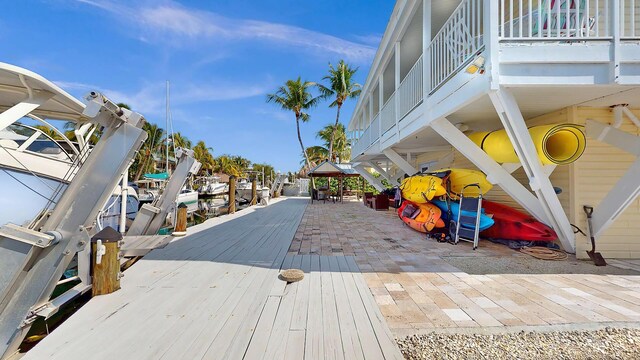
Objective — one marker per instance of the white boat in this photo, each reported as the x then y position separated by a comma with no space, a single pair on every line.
243,191
150,189
110,215
211,186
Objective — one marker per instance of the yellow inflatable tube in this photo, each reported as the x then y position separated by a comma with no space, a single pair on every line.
559,144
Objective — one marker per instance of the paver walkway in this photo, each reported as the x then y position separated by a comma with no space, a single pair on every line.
419,286
215,294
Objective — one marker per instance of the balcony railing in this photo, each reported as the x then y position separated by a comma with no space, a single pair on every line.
629,19
410,90
456,42
388,114
554,19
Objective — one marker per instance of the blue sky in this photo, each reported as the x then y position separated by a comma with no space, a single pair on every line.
220,56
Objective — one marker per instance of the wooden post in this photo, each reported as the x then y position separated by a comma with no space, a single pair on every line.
232,194
340,184
254,194
181,221
105,261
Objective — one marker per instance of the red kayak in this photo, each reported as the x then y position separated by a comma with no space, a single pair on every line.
511,224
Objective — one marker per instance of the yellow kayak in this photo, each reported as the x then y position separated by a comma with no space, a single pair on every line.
460,178
422,188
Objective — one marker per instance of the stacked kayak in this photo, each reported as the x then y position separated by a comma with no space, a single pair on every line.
459,178
421,217
485,221
511,224
422,188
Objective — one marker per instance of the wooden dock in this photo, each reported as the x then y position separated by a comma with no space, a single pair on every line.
216,294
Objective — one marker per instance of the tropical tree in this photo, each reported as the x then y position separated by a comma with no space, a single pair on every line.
341,87
241,163
316,154
48,131
202,153
226,165
341,146
265,169
181,141
149,147
295,96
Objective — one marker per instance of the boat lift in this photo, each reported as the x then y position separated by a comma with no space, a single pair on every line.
33,258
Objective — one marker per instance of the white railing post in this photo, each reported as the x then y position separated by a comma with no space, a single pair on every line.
491,17
426,40
616,26
397,86
380,103
372,118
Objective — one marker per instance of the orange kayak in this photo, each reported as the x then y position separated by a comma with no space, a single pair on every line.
421,217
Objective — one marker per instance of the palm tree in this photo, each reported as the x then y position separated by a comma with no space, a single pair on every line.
226,165
295,96
340,142
151,145
48,131
202,153
342,87
181,141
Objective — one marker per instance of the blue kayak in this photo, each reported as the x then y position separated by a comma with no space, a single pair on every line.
485,221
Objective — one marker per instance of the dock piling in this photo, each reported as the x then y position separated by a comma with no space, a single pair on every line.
181,221
232,194
105,261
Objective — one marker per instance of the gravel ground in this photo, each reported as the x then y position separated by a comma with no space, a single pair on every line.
530,265
608,343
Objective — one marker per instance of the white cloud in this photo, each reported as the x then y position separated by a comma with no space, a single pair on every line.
171,21
150,99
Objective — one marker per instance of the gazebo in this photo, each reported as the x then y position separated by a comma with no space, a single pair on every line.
330,169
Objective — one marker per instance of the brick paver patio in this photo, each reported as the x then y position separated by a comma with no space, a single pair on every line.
418,288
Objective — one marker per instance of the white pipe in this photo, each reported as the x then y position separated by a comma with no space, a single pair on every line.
124,192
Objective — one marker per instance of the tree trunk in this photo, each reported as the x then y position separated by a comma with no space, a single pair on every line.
143,166
304,151
333,133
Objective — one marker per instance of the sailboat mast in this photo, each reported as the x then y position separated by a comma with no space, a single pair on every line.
167,129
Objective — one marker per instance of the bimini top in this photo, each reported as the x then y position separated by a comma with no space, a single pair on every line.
21,85
330,169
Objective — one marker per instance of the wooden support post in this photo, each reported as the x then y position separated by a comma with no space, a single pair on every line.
232,194
180,228
254,192
340,185
105,261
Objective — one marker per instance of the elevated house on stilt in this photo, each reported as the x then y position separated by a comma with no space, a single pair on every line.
448,69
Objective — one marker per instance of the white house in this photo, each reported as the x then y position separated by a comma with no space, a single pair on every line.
448,68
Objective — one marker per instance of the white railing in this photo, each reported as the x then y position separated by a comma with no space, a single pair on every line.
388,114
375,129
547,19
459,39
410,90
363,143
630,19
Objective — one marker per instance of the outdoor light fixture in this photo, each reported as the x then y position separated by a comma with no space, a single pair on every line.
477,64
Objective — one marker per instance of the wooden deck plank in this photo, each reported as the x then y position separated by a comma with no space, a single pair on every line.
260,339
348,332
295,345
301,304
314,343
366,333
279,336
383,334
333,347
